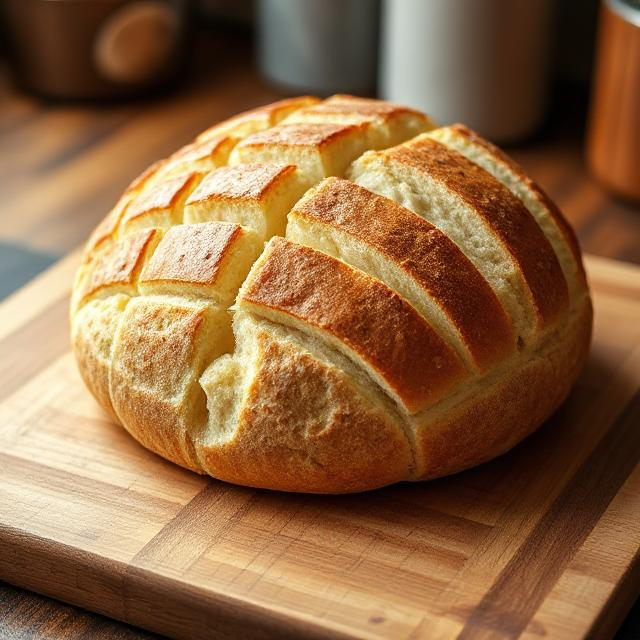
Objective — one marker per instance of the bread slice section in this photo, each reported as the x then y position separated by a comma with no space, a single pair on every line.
255,195
248,122
541,207
208,260
356,314
413,258
160,350
200,156
160,204
386,124
489,224
488,419
318,150
287,413
117,268
93,329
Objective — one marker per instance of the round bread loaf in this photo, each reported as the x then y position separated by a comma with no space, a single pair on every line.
331,296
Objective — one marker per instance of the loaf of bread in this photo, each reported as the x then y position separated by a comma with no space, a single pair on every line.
331,296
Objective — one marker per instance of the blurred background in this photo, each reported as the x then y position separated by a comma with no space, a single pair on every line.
93,91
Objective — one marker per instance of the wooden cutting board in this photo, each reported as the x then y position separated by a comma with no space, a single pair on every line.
541,542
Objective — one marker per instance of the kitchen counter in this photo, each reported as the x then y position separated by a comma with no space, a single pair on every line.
63,166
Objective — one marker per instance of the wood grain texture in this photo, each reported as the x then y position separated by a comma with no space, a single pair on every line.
27,616
90,517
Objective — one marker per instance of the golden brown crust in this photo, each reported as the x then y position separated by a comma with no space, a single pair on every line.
538,193
336,383
357,110
160,350
203,156
251,181
92,331
317,149
191,254
507,217
382,124
254,120
119,266
208,260
163,196
254,195
425,254
304,426
500,415
201,150
373,323
299,135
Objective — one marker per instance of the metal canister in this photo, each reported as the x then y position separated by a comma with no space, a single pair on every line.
319,46
613,140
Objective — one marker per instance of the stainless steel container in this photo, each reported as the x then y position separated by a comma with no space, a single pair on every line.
320,46
481,62
94,48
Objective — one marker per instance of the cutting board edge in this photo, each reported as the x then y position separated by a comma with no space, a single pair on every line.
95,571
619,603
131,585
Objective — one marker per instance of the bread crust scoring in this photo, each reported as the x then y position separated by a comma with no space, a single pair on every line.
374,342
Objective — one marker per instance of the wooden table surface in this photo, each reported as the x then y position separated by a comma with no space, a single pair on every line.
62,166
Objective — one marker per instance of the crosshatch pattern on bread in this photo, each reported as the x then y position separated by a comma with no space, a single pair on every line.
331,296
